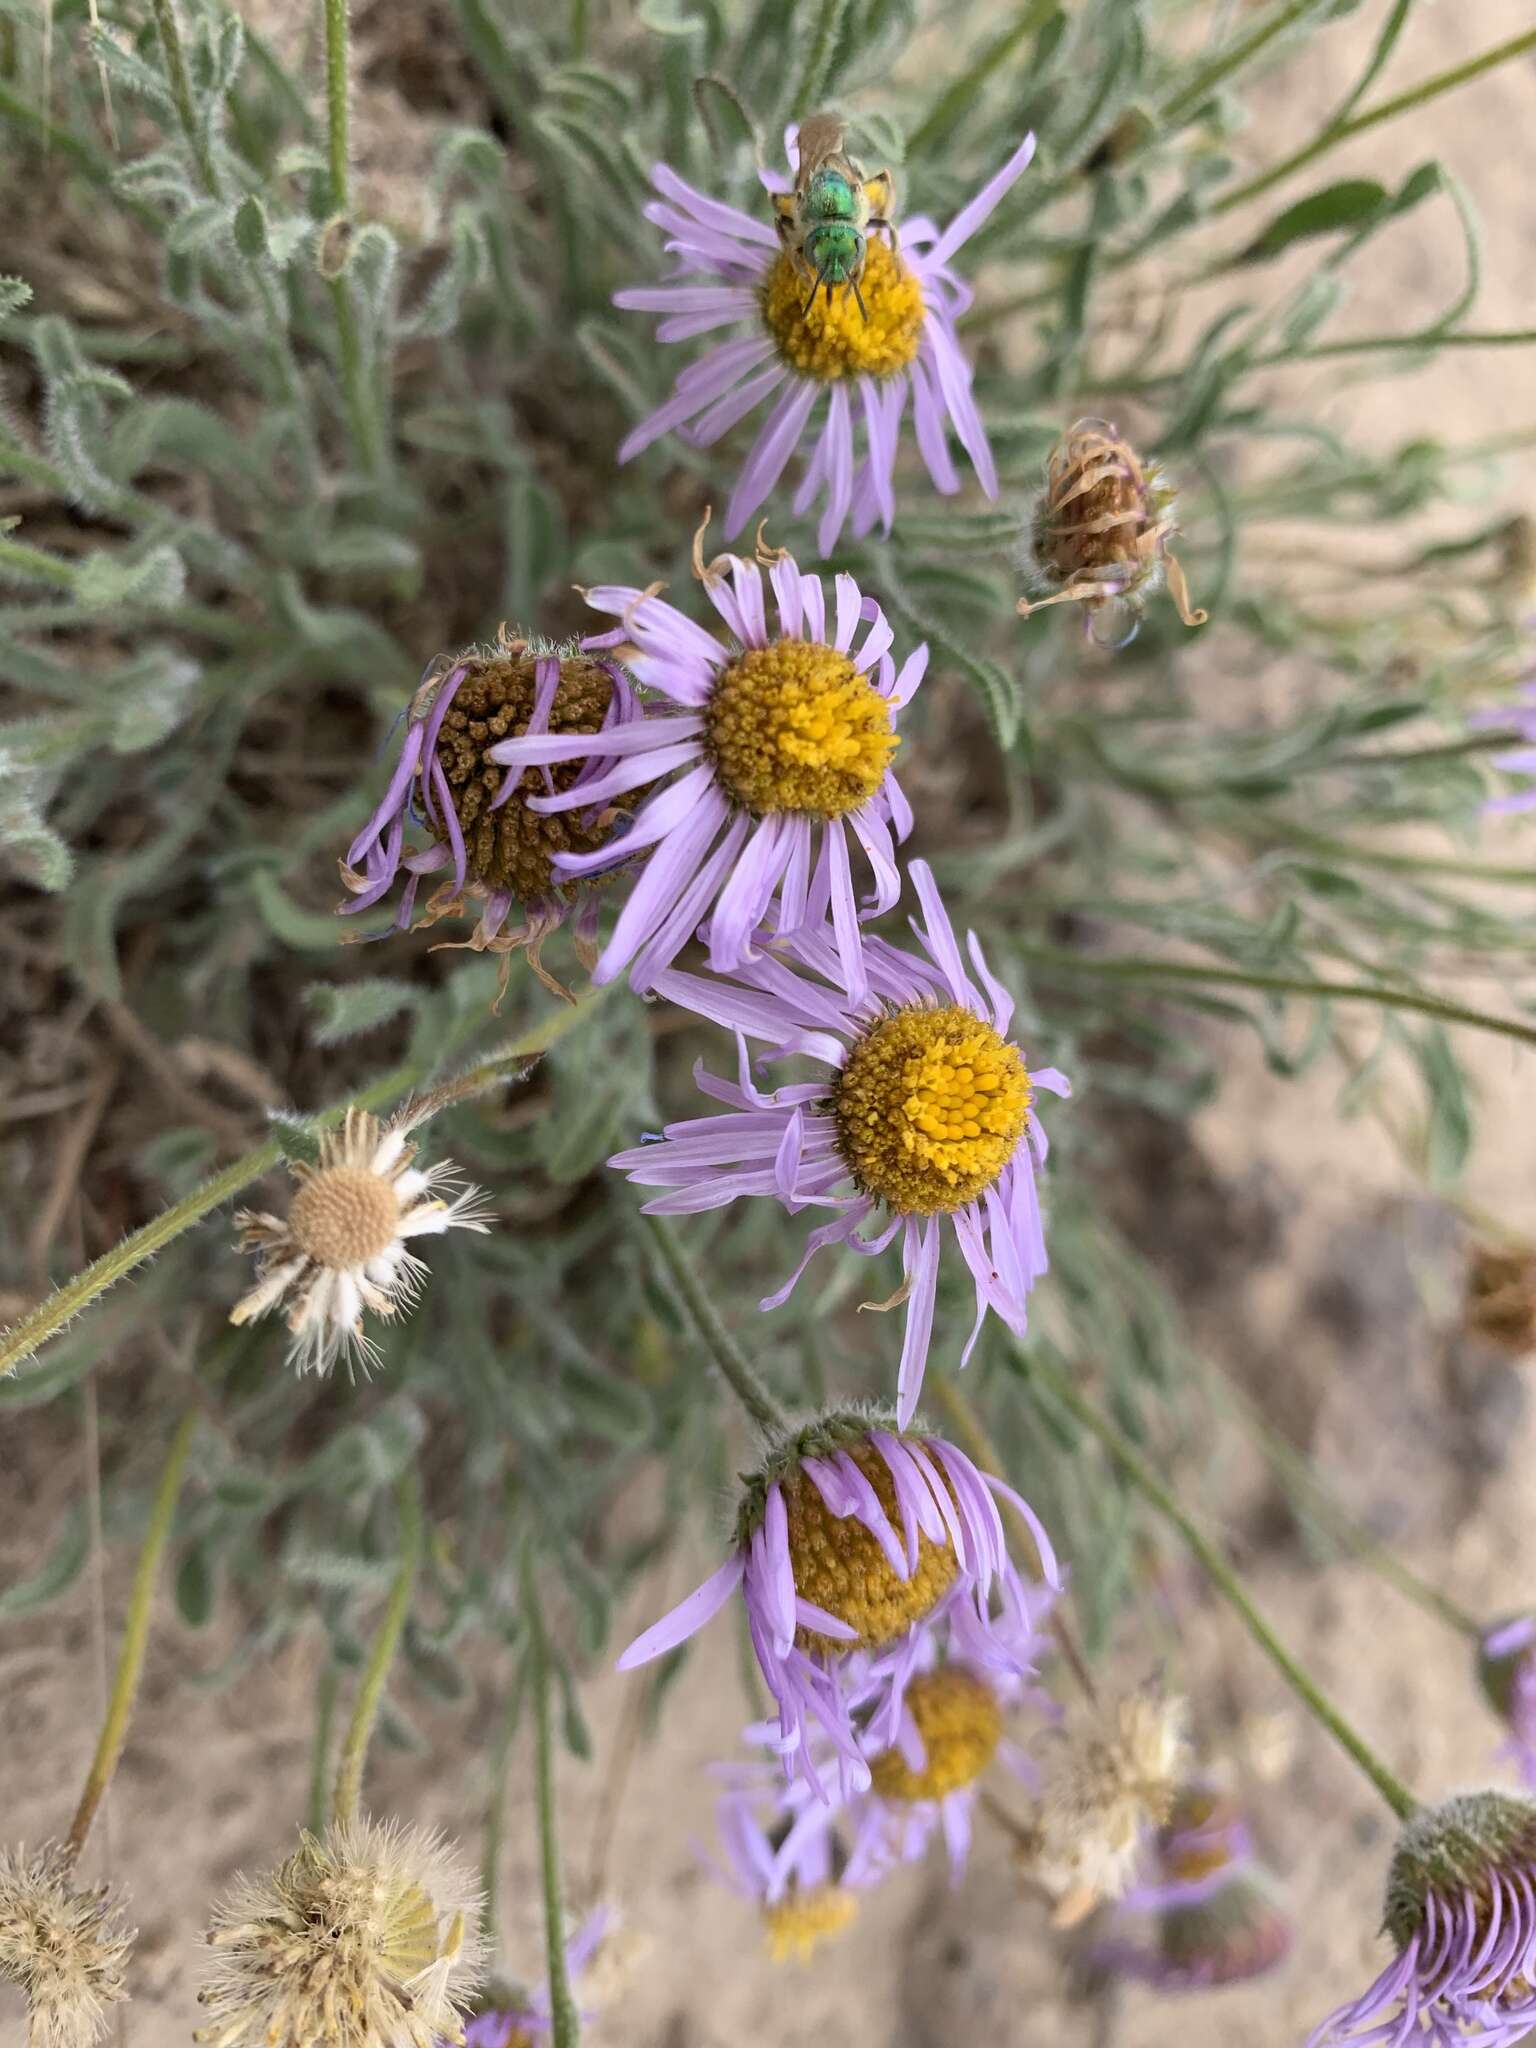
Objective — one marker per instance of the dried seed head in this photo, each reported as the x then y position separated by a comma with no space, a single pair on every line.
1501,1296
1105,1784
65,1947
365,1938
1100,532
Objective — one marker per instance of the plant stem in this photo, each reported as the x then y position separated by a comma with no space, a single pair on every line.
1205,82
18,1343
566,2026
1230,1586
36,566
958,100
320,1773
181,92
130,1658
336,107
354,1751
1341,131
1278,984
735,1367
972,1432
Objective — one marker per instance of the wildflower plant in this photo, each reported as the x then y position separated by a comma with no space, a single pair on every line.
308,383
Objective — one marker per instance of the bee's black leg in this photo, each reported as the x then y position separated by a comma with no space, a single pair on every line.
853,286
820,280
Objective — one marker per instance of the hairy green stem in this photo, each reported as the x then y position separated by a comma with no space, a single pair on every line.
1279,984
320,1768
130,1658
181,92
1230,1586
735,1367
1357,124
370,1693
336,102
565,2024
50,1316
37,566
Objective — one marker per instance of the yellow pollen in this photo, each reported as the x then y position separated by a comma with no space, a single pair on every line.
802,1919
960,1721
344,1216
930,1108
796,727
839,1566
834,339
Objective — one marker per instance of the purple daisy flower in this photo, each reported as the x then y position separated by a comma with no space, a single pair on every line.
479,821
849,1535
927,1118
1520,715
782,1851
521,2019
1506,1659
1461,1912
732,269
781,745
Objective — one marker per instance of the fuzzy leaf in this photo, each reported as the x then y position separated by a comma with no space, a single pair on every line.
57,1573
348,1009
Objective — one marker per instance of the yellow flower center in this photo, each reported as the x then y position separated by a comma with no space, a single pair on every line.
960,1721
802,1919
930,1107
796,727
343,1216
840,1566
833,339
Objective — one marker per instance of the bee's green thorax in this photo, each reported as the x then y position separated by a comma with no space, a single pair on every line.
830,197
835,252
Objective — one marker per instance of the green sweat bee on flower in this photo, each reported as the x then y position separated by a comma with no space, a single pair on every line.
825,223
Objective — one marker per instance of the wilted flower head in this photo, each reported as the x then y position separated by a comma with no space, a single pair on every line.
849,1534
1461,1913
1207,1913
1107,1782
367,1937
1501,1296
1100,532
1506,1667
519,2018
732,270
771,763
500,849
926,1125
63,1945
787,1857
343,1246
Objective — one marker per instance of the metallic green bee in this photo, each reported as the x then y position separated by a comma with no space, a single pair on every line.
835,206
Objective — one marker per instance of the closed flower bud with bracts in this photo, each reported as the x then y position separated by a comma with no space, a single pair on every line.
1107,1782
64,1946
1099,535
344,1244
366,1937
849,1535
1501,1297
481,826
1461,1914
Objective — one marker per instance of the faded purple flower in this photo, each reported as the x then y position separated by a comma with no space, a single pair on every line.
1520,716
1507,1669
849,1535
924,1126
521,2019
781,747
731,270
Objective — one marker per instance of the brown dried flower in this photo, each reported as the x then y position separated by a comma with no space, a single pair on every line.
1501,1296
367,1937
1100,534
64,1946
1105,1785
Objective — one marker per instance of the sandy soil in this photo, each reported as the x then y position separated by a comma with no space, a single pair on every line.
1332,1296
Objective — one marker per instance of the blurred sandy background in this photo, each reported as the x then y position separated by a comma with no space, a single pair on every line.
1309,1263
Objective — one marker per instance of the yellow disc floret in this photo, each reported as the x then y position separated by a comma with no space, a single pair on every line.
796,727
802,1919
343,1216
839,1565
960,1721
930,1107
833,338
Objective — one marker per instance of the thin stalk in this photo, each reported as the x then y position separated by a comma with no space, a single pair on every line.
958,100
130,1658
496,1816
181,92
22,1339
320,1768
370,1694
565,2024
1205,82
1230,1586
1279,984
37,566
735,1367
974,1438
1285,834
337,112
354,369
1357,124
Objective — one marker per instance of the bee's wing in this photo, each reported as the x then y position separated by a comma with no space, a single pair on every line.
880,191
821,137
